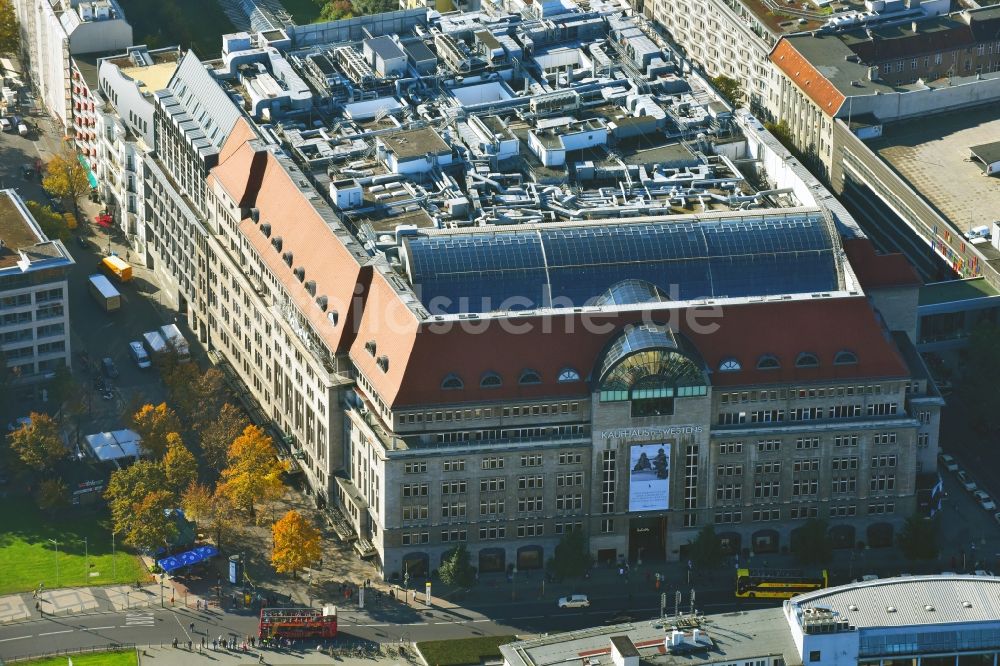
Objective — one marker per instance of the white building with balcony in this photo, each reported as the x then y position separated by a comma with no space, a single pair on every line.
125,129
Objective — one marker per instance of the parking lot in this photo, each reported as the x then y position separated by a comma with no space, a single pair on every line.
94,332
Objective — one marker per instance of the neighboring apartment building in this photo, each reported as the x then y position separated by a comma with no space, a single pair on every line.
868,78
191,119
34,299
54,33
923,621
126,130
735,37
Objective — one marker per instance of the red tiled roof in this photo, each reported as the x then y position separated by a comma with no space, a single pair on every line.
879,270
816,86
256,178
420,356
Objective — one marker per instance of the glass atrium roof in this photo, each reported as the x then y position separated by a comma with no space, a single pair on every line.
485,271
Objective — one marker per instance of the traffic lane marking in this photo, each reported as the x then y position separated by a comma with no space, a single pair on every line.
99,628
15,638
53,633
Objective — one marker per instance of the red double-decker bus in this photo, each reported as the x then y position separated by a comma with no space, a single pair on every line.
298,622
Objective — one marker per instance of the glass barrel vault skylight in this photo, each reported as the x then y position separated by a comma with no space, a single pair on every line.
569,266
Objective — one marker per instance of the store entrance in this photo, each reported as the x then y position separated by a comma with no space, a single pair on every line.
647,539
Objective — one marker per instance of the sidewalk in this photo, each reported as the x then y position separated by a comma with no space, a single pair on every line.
181,656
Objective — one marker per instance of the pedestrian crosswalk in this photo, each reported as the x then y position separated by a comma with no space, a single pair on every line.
139,620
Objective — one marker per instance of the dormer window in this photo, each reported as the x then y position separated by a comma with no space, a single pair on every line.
768,362
529,377
276,242
383,363
299,272
568,375
321,301
332,317
807,360
287,258
845,357
452,382
265,229
730,365
370,347
490,380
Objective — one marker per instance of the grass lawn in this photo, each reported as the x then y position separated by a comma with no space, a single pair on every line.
303,11
195,24
463,651
127,658
27,558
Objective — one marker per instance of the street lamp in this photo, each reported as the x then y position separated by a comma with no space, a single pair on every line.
53,541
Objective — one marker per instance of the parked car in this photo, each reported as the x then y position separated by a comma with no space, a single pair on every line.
110,371
966,481
574,601
139,354
982,572
948,462
985,500
5,125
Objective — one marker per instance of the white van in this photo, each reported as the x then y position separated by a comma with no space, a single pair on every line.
139,355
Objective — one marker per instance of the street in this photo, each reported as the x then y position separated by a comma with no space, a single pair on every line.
93,331
160,626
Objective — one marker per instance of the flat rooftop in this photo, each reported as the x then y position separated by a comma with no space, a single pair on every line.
15,232
409,144
733,636
154,77
932,155
956,290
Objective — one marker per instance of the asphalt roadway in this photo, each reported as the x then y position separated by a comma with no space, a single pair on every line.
160,626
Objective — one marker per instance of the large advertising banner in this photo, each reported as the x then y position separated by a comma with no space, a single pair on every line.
649,477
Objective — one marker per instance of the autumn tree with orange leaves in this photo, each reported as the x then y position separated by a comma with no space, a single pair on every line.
296,543
153,425
254,471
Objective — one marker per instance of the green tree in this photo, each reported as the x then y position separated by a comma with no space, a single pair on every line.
218,433
154,526
919,538
368,7
52,495
66,178
706,549
729,88
456,569
10,33
129,487
811,543
179,465
38,443
52,223
336,10
979,375
572,555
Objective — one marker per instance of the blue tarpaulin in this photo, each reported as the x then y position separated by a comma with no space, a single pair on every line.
187,559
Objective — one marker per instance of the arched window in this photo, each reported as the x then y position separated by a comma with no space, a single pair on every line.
730,365
807,360
490,380
568,375
768,362
529,376
452,381
845,357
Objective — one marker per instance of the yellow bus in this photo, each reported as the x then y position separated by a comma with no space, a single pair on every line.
776,584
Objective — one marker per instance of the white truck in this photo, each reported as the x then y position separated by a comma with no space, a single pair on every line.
155,343
176,340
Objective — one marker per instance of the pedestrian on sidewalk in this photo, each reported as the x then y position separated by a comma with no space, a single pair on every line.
215,645
192,627
189,645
